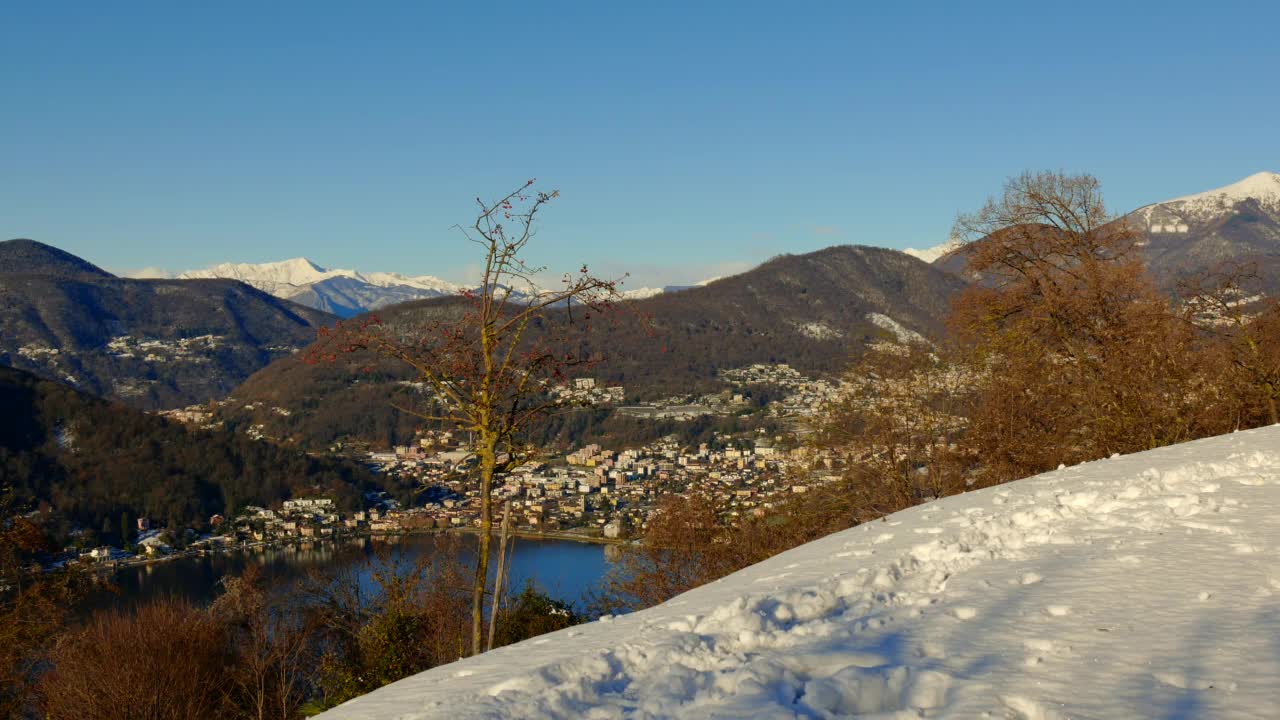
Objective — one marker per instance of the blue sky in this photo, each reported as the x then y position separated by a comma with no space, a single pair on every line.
688,139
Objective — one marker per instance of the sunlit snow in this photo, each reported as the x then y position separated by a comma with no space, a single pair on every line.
1141,586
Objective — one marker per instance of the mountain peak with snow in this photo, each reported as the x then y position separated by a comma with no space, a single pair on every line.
1261,187
295,271
343,292
929,255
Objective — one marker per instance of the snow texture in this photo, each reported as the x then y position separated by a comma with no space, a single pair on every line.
932,254
903,333
1140,586
821,331
299,278
641,293
1263,187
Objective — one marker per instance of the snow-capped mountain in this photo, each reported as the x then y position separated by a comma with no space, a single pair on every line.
641,293
1195,234
341,292
1172,216
1192,235
931,254
349,292
1140,586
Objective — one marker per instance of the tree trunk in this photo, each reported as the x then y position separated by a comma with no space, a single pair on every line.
502,568
488,461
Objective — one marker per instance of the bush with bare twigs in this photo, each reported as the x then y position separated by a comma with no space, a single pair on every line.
166,661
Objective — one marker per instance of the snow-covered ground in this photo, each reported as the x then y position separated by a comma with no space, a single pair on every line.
1141,586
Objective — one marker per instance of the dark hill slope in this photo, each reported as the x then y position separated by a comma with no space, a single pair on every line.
812,311
29,256
88,461
151,343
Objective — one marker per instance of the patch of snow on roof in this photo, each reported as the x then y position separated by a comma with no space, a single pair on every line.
1133,587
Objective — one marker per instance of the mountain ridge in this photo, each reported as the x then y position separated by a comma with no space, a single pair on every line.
347,293
152,343
1189,236
815,311
342,292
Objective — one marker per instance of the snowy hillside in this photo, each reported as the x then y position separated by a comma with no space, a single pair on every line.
1141,586
1263,187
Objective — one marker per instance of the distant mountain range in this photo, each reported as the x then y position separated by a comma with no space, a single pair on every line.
814,311
169,342
347,293
342,292
150,343
1191,235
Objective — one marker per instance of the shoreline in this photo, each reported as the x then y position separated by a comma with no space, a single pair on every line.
522,534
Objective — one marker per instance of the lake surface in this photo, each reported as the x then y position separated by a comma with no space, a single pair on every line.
565,569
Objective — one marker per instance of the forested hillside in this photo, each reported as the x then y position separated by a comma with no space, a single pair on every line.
91,462
149,343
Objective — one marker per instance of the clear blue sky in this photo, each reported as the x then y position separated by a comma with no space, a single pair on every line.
687,138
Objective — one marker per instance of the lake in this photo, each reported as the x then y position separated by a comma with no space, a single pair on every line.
563,568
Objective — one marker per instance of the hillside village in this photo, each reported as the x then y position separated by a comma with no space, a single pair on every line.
590,493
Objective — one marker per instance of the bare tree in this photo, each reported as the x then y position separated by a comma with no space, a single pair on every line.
1228,306
164,661
896,426
1082,356
273,646
489,367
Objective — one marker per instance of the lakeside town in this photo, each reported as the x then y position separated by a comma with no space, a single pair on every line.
591,493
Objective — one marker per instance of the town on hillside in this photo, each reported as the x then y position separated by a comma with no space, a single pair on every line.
589,493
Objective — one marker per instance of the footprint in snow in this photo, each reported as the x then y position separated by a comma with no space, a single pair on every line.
1183,681
932,651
